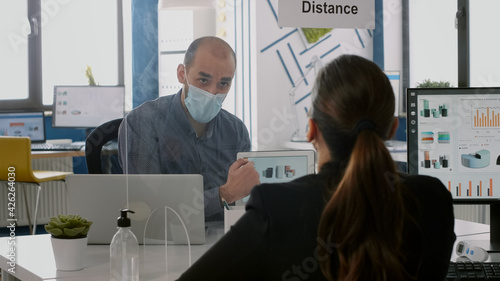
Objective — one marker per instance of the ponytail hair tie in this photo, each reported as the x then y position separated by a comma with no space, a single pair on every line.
364,124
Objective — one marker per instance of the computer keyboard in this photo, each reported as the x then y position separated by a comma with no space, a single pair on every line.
468,270
56,146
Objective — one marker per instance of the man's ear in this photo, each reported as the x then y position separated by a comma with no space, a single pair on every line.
312,132
181,73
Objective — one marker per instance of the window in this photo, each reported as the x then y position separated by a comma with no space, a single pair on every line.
484,54
74,34
14,50
432,48
432,42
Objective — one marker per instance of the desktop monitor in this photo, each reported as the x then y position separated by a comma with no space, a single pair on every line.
454,135
87,106
23,124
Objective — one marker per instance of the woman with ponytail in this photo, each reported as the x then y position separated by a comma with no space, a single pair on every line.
358,218
384,225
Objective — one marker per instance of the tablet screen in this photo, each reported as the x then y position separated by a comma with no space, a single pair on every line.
279,166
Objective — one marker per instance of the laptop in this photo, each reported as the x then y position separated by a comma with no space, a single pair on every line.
99,198
32,124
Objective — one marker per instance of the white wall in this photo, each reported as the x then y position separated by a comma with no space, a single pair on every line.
273,123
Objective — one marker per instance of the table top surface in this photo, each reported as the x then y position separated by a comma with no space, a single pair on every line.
56,153
35,260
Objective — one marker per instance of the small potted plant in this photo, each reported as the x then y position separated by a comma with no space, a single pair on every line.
69,240
428,83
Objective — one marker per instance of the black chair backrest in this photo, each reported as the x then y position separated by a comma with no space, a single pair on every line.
96,140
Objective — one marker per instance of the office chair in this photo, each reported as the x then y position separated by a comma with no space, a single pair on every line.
15,158
105,136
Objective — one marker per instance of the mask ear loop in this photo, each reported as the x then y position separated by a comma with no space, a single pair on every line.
187,82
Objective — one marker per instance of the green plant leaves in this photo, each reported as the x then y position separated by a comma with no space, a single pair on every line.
90,76
428,83
314,34
71,232
68,226
54,231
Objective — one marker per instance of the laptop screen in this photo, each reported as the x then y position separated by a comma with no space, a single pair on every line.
23,124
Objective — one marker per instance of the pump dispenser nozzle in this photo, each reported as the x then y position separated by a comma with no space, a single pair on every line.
123,220
124,251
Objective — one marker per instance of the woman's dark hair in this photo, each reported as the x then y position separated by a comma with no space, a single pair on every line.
353,107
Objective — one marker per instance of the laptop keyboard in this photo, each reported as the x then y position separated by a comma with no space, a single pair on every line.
469,270
56,146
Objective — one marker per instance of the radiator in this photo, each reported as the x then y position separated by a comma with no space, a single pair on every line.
474,213
52,196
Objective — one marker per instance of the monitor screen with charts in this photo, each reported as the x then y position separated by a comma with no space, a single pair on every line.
454,135
87,106
23,124
100,197
280,165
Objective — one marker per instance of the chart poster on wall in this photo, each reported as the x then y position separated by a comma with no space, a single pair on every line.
327,13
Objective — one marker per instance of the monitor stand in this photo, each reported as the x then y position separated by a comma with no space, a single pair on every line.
493,244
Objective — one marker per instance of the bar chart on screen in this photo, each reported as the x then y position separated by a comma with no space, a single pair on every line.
476,189
486,117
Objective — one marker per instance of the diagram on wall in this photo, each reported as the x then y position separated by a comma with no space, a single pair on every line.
296,55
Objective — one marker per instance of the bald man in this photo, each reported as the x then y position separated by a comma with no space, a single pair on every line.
189,133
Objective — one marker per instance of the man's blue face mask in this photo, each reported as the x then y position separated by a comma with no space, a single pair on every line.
202,105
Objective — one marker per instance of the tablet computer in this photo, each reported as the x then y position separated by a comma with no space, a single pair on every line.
280,165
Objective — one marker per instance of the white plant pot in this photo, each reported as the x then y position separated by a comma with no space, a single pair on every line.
69,253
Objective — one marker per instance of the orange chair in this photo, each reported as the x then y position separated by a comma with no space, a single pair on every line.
15,157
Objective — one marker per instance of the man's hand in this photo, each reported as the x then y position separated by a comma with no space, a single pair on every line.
240,180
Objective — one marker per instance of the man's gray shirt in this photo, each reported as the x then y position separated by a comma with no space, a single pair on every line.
157,138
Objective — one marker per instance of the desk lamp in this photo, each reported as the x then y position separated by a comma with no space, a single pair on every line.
315,64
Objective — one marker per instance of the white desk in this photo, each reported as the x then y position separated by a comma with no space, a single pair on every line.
474,233
35,260
56,154
396,148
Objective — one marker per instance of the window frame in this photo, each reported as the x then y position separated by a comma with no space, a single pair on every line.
463,50
35,79
34,100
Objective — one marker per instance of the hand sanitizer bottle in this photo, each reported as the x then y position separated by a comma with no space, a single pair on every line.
124,251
